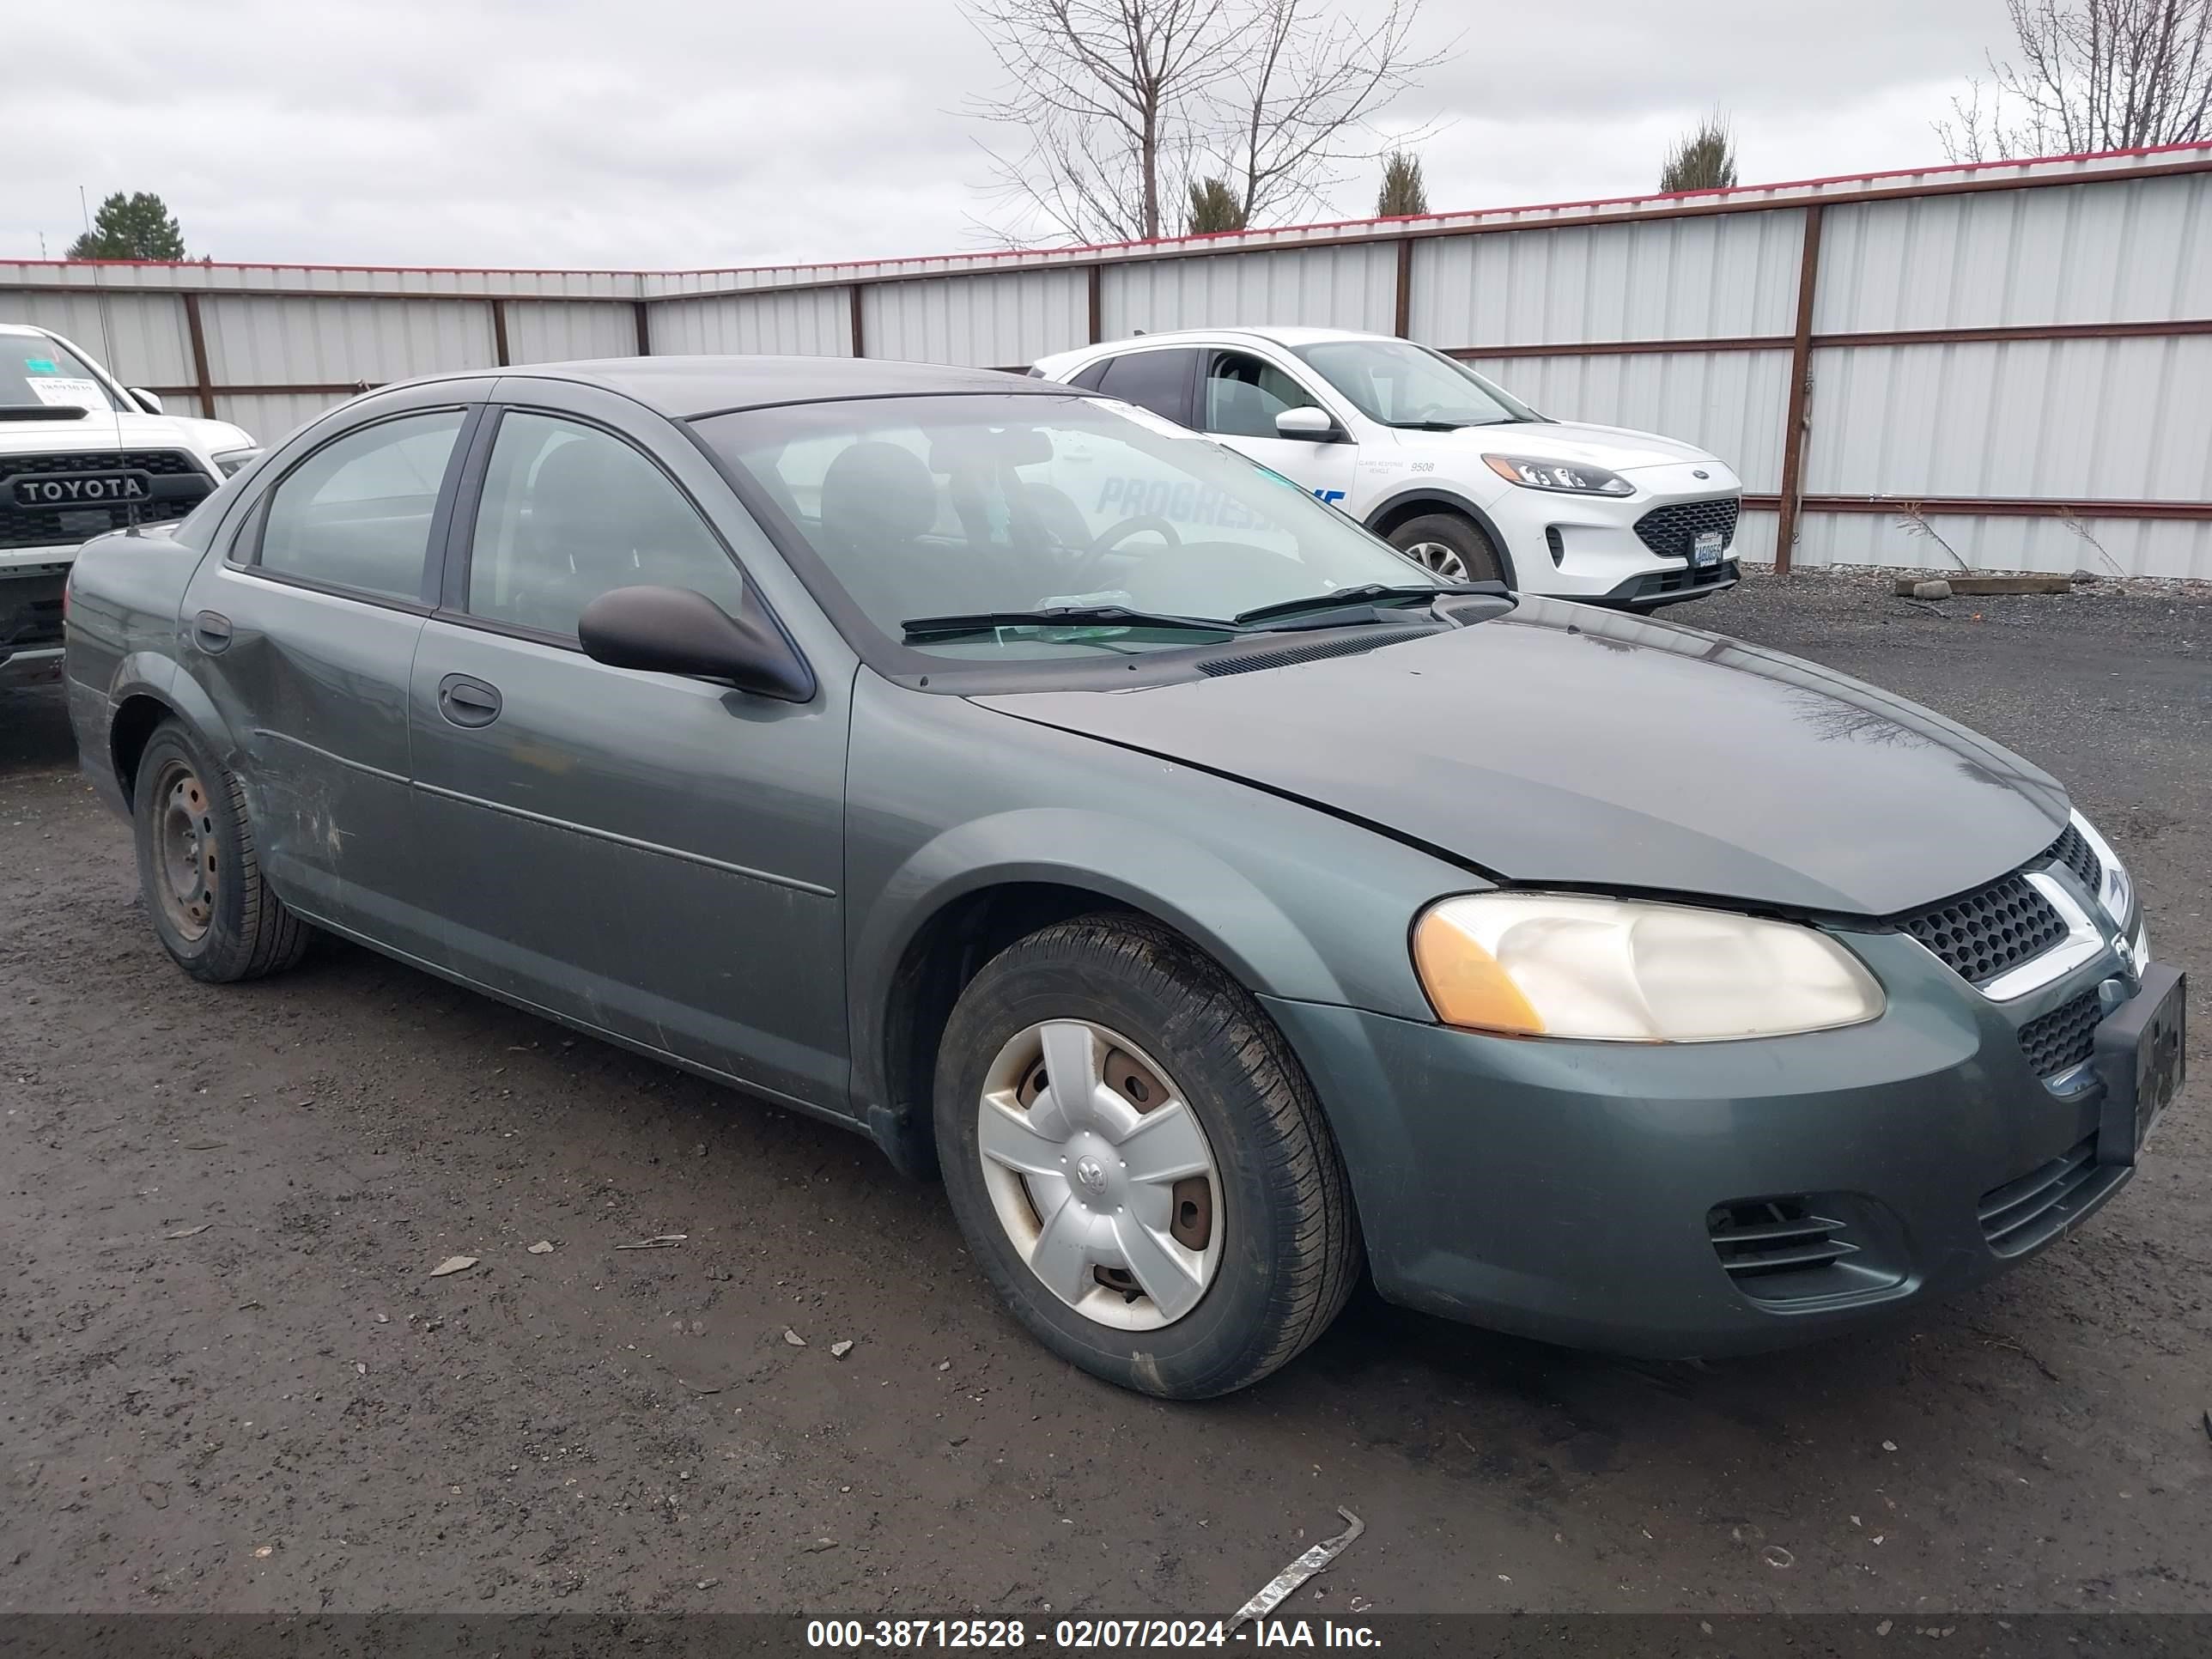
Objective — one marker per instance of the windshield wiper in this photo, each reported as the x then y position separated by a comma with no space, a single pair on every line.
42,412
1058,615
1365,595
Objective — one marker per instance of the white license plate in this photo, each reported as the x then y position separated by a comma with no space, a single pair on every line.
1705,551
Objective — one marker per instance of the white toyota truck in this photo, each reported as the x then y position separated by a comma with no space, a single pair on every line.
80,455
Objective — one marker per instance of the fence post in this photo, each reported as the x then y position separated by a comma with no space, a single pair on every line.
1800,375
860,340
205,382
1403,327
641,315
1094,300
499,332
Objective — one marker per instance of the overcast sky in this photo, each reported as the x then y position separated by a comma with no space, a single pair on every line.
689,133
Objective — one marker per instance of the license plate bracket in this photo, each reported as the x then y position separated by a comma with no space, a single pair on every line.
2138,1056
1705,550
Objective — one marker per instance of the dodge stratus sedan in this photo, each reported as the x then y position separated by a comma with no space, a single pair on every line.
1059,798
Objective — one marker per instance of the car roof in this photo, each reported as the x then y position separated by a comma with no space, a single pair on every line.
1281,334
686,387
25,328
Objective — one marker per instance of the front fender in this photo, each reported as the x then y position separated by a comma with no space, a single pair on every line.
1143,865
945,799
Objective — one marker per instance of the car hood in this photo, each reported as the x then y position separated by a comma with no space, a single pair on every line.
111,430
1567,745
1619,447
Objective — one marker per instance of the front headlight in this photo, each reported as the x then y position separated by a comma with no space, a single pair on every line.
230,460
2115,892
1621,970
1570,477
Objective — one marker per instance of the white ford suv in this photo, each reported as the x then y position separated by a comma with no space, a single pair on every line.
1447,466
80,455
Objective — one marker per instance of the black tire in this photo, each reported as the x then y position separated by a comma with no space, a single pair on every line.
1291,1253
190,814
1469,544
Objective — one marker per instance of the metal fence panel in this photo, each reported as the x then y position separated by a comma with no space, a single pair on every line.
140,338
287,342
990,321
2094,410
2132,251
1720,276
1951,541
1350,287
562,331
812,322
1728,402
271,417
2070,420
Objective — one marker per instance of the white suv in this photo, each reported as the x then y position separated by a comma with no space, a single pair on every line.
1447,466
80,455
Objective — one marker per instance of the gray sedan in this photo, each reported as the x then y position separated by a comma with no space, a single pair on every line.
1220,902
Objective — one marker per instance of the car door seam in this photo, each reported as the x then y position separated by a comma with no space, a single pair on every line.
324,754
768,876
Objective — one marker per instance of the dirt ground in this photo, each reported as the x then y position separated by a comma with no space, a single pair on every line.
227,1382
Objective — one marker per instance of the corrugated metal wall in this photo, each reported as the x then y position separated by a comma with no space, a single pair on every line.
2009,367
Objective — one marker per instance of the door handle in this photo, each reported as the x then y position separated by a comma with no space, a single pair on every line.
211,631
465,702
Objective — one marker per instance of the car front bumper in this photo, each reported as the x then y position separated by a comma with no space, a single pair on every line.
1581,1193
1593,548
30,620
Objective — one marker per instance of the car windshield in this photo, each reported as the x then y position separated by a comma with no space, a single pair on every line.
1401,384
987,509
43,374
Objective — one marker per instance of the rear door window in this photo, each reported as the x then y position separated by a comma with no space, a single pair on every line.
357,514
1158,380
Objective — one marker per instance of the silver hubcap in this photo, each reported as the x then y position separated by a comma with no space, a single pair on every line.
185,851
1100,1174
1440,559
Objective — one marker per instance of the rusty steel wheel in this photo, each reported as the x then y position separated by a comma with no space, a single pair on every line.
199,871
1101,1175
185,849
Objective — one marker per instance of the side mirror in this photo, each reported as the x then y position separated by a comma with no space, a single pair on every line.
1313,424
674,630
146,400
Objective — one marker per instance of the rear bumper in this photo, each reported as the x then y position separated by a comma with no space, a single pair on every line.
1572,1192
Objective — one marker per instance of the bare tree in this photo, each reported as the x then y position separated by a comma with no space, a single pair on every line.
2091,74
1124,107
1305,85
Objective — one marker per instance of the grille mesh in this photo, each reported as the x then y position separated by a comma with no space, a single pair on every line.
162,462
57,527
2063,1037
2073,850
1669,531
1980,934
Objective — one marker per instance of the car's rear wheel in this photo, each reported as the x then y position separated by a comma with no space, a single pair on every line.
1455,548
197,868
1138,1160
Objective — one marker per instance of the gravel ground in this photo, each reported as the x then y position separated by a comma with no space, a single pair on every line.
227,1382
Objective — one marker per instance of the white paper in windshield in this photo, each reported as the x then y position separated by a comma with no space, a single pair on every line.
63,393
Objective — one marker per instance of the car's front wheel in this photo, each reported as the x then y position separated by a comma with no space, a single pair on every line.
1138,1160
1455,548
197,869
